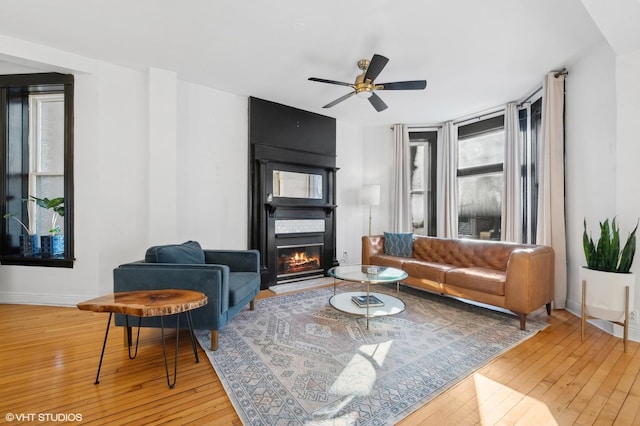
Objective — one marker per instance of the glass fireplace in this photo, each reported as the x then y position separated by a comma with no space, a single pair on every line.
298,261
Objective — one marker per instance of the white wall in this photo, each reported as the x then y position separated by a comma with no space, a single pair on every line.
603,108
213,161
628,157
349,218
110,179
378,150
590,156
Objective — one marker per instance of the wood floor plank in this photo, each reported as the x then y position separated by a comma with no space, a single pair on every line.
49,357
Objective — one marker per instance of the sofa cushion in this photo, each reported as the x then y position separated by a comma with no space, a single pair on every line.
464,253
429,270
386,260
189,252
483,280
242,285
398,244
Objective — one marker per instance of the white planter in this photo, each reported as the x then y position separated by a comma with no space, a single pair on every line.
605,293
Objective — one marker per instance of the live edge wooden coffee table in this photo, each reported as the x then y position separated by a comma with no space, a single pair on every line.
149,303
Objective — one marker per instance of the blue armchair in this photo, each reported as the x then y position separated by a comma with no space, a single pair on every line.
229,278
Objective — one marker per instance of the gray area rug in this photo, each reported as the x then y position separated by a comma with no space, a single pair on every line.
295,360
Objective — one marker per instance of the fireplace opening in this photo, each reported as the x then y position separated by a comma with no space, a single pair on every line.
299,261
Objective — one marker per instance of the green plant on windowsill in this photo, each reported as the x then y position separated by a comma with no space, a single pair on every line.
15,217
606,254
57,207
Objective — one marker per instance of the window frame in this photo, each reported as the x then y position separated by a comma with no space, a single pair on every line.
478,128
429,192
530,116
38,82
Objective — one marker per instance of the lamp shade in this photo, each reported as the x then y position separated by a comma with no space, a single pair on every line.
371,195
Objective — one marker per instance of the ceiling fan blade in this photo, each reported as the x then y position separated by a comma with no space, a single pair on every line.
376,65
322,80
340,99
404,85
377,102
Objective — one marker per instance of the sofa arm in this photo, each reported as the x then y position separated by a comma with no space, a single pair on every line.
371,244
237,260
530,279
212,280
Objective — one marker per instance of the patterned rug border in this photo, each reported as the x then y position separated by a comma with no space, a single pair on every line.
452,372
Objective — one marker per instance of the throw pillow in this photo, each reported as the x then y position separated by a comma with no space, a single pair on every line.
398,244
185,253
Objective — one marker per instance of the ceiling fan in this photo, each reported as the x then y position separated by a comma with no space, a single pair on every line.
364,85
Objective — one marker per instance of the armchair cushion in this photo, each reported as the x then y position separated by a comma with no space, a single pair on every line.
189,252
242,286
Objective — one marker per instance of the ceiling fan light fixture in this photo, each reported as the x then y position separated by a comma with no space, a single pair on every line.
364,94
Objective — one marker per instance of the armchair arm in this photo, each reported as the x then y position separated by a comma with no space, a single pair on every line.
212,280
236,260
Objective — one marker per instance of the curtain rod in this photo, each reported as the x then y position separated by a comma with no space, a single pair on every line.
556,74
563,71
531,95
477,117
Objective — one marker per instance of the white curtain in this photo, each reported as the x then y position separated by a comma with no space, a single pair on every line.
551,219
512,199
447,205
401,207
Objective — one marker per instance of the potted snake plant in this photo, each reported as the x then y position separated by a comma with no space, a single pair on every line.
607,274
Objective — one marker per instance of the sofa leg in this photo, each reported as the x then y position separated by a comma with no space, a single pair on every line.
523,320
549,308
214,340
252,305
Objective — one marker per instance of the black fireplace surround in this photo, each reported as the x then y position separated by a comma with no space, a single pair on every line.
286,139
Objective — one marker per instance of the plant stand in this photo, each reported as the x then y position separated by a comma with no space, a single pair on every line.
607,297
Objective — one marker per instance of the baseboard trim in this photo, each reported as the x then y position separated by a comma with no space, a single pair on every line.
42,299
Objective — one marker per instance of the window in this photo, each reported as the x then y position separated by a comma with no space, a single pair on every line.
530,127
480,178
422,154
36,141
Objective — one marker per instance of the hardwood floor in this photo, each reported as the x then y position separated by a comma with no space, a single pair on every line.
49,357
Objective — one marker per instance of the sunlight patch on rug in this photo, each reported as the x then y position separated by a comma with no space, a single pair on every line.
295,360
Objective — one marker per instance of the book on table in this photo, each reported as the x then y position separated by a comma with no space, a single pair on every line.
361,301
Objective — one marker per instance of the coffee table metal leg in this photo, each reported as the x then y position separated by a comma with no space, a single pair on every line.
193,340
135,354
164,351
104,344
368,300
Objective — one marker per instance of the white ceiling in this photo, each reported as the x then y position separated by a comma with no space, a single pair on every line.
475,55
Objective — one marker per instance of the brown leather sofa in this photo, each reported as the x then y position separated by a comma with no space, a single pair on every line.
512,276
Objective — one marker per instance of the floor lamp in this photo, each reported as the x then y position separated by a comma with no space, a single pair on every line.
371,196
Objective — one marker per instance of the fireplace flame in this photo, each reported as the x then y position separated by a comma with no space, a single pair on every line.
298,261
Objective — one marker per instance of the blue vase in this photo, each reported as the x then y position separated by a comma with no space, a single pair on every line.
29,245
51,245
